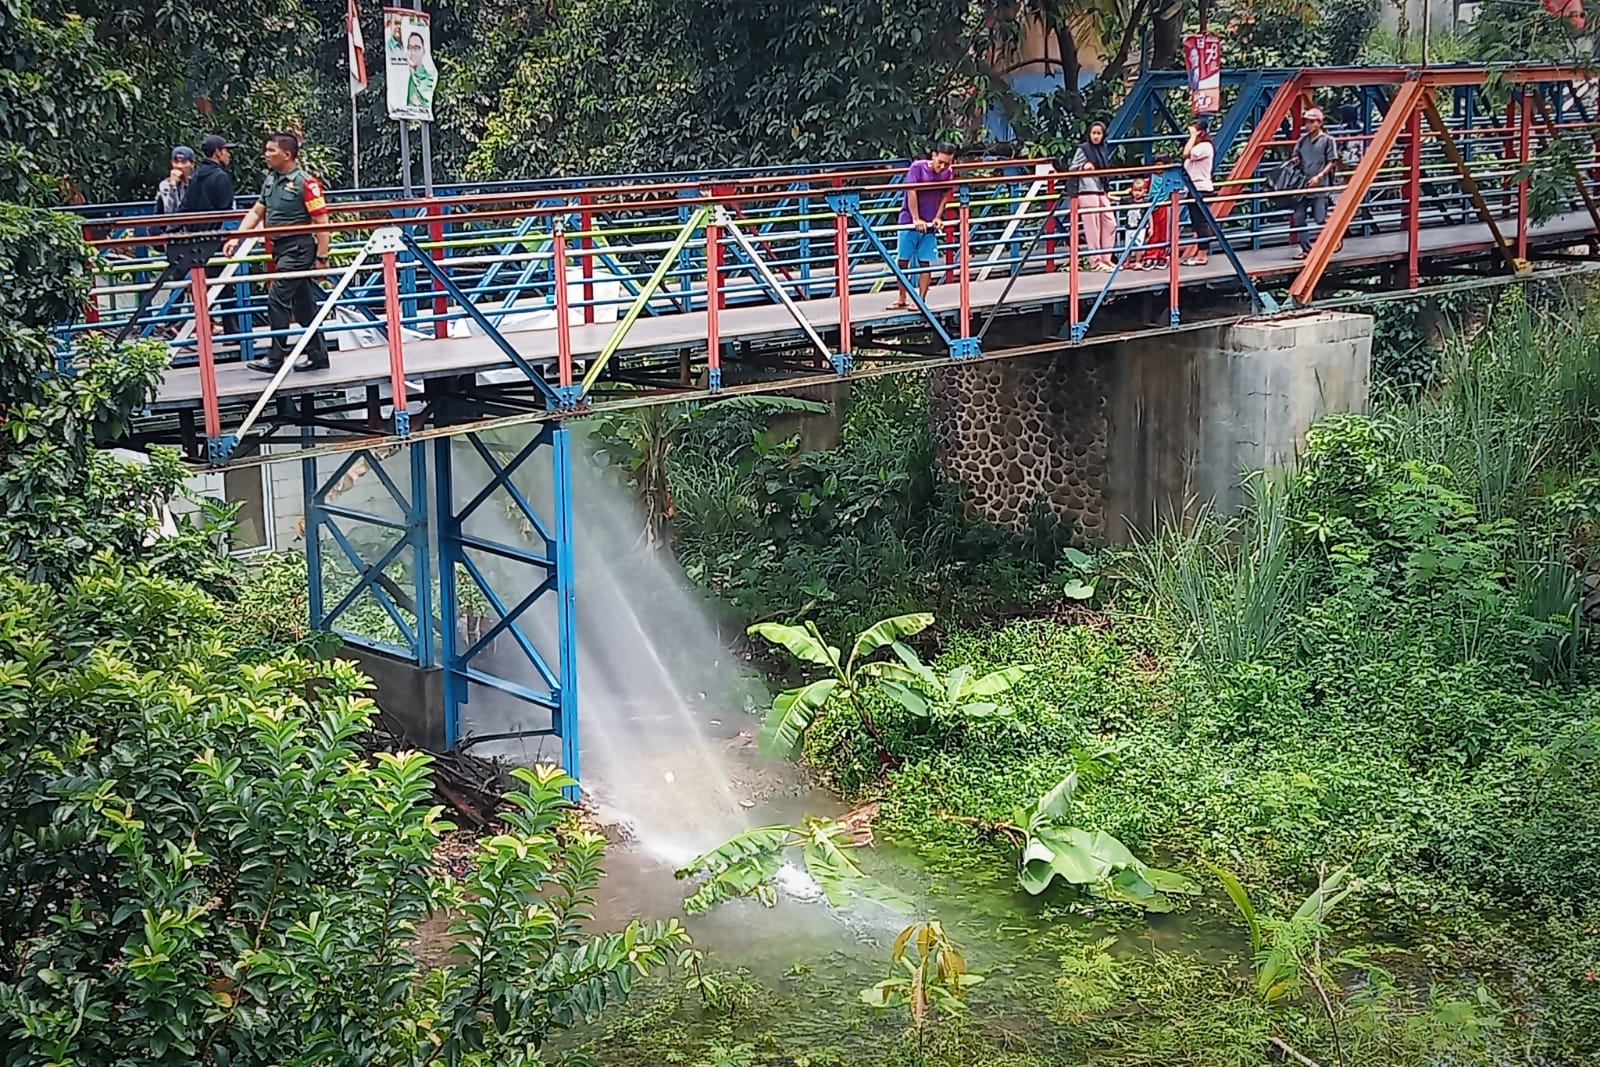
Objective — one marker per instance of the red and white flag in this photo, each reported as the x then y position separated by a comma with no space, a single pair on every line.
358,48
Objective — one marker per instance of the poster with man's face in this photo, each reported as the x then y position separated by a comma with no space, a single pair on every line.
411,77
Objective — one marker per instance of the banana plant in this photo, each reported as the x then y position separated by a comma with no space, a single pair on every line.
794,710
1278,947
918,688
926,693
1054,848
747,865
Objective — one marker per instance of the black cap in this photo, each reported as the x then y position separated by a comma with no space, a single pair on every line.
212,143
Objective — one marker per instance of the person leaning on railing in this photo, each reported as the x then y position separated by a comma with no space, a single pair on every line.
290,197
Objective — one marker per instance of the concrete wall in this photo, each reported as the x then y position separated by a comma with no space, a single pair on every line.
411,696
1118,437
1189,414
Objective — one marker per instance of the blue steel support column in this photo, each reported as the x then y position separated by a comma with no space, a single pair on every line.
412,533
549,690
444,509
308,487
566,599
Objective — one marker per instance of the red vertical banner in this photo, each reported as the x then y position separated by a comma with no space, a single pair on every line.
1202,59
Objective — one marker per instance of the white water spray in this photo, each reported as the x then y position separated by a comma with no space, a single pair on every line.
662,709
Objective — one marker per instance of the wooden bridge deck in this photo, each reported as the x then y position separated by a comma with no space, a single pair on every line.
431,358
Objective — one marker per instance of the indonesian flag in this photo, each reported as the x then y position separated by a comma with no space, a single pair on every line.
358,48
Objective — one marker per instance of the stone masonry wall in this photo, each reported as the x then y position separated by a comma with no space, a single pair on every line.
1118,438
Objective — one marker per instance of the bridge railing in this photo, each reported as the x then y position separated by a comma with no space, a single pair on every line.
583,266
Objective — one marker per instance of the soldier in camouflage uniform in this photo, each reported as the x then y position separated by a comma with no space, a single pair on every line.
290,197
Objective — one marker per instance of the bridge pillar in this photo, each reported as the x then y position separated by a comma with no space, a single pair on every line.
1116,437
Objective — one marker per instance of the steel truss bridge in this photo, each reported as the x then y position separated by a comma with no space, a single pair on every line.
482,307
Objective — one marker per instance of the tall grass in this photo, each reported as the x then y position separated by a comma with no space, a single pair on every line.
1514,405
1235,585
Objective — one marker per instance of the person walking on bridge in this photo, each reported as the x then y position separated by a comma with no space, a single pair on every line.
290,197
1092,190
1317,155
920,217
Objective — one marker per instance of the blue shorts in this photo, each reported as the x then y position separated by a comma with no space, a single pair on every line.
918,247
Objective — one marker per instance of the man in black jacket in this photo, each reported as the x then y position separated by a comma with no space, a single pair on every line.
210,186
209,190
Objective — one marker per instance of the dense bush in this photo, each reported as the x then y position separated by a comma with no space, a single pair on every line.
200,863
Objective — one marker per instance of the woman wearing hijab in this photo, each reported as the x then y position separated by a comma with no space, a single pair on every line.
1093,196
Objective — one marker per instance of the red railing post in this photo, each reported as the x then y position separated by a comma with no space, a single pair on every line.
841,267
441,328
1174,210
208,366
558,250
395,328
1524,152
586,253
1050,230
1413,200
964,256
713,305
1072,269
91,309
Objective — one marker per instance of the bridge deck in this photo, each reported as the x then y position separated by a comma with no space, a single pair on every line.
430,358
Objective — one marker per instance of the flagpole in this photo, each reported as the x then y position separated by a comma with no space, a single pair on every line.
356,53
355,145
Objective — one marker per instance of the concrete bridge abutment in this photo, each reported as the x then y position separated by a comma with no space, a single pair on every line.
1120,437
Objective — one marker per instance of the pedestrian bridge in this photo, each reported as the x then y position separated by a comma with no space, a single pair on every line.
528,302
679,284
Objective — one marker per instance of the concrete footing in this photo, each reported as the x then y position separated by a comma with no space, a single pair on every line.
412,697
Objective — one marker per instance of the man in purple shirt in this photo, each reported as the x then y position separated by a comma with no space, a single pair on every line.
919,217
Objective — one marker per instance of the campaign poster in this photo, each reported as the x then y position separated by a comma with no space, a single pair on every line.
1202,58
411,77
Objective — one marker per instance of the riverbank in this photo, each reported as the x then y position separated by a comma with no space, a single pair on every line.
1381,669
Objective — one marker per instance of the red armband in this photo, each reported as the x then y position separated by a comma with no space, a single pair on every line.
311,190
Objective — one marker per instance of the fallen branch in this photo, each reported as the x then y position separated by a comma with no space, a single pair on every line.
1283,1046
1016,834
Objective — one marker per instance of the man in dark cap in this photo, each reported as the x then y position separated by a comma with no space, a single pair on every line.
210,193
174,188
210,186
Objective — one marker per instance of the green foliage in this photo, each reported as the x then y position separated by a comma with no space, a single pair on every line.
775,83
1293,33
794,710
206,866
747,864
1505,31
932,978
1409,338
1282,966
212,870
61,92
923,692
1237,585
1055,848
